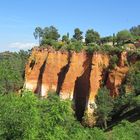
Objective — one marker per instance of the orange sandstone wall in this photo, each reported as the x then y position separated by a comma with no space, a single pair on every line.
50,75
117,75
32,70
76,76
100,62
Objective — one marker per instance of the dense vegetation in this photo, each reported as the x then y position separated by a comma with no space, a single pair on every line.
24,116
92,41
12,66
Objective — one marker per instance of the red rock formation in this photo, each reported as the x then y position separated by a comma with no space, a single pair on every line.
43,77
115,79
33,67
117,75
99,63
76,76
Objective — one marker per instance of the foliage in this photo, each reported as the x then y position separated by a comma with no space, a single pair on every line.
92,36
27,117
50,33
55,120
133,77
78,34
65,38
106,39
19,119
106,48
122,104
104,106
92,48
128,102
126,131
75,46
96,134
123,37
12,67
113,61
135,31
50,42
38,33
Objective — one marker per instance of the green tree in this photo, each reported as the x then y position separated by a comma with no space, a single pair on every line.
26,117
104,106
113,61
114,39
19,117
38,34
12,67
135,31
50,33
55,114
58,122
92,37
65,38
106,39
133,78
123,36
78,34
126,131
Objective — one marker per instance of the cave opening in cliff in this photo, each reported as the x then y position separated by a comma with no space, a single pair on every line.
82,88
62,73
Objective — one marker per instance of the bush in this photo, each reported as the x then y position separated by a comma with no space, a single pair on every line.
113,61
19,117
133,77
76,46
123,37
26,117
12,67
104,106
125,131
106,48
96,134
56,118
92,48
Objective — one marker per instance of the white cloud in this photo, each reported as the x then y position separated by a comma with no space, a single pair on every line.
20,45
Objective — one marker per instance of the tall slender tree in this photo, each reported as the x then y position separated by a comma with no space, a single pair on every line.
38,34
78,34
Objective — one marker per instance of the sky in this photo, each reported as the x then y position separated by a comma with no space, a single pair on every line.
18,18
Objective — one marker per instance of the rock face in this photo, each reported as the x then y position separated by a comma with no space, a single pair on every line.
76,76
117,75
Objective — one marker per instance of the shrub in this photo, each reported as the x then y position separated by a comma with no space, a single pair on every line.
124,131
104,106
106,48
75,46
113,61
92,48
19,118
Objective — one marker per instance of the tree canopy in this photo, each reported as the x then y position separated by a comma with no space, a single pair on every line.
92,36
78,34
123,37
104,106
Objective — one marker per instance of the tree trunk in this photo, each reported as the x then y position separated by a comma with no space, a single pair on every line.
39,41
105,124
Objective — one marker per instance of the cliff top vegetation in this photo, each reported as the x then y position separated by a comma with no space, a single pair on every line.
128,40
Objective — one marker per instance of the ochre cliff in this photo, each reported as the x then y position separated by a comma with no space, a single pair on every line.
117,75
75,76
